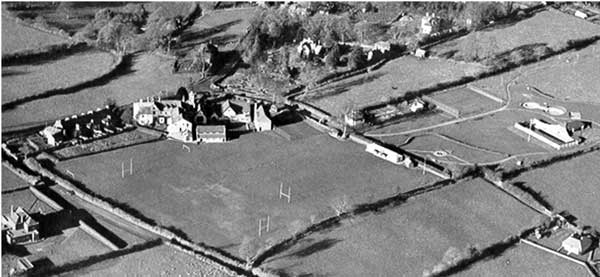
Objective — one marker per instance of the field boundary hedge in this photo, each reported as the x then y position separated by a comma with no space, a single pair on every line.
44,52
210,255
70,89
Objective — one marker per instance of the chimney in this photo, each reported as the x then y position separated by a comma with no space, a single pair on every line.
12,209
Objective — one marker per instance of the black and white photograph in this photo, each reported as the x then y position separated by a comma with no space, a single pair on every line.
300,138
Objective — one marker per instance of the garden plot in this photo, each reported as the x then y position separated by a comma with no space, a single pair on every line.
218,192
412,237
394,79
19,81
17,37
144,75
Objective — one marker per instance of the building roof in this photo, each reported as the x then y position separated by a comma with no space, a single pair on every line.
261,115
211,131
555,130
238,107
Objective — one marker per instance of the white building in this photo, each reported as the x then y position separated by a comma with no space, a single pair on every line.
261,121
429,24
577,244
384,153
181,129
211,133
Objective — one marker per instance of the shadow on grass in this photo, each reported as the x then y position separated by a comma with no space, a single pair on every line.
123,69
491,252
89,261
537,195
341,88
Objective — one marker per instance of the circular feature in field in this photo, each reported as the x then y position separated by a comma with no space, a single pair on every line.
440,153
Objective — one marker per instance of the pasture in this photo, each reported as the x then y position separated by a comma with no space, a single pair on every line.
142,76
161,260
394,79
409,238
218,192
19,81
550,28
218,27
570,185
16,37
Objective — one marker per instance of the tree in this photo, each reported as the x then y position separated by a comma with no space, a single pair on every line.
340,204
333,56
116,35
357,58
247,248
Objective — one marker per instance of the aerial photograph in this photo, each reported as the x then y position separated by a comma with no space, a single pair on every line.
304,138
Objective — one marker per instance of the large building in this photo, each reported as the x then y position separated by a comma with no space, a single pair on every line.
19,227
554,135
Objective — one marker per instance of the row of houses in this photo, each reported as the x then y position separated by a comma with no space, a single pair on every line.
83,127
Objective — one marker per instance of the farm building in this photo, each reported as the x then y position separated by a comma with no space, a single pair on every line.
554,135
211,133
20,227
148,112
429,24
53,135
180,129
236,111
420,53
577,244
261,121
417,105
354,118
385,153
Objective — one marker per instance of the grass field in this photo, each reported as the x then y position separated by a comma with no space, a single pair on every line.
412,237
551,28
25,199
217,193
394,79
570,185
147,75
524,260
11,181
217,26
467,101
20,81
426,144
17,37
161,260
572,76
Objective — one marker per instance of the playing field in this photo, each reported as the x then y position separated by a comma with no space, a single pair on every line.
218,192
412,237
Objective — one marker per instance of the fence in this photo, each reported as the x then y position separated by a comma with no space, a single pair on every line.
484,93
92,232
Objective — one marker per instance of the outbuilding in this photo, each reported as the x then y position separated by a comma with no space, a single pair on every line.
577,244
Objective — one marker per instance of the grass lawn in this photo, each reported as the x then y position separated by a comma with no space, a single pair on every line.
16,37
412,237
217,193
551,28
161,260
394,79
20,81
571,185
25,199
147,75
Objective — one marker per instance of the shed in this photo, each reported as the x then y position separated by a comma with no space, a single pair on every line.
420,53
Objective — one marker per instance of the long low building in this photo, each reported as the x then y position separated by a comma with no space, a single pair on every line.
554,135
